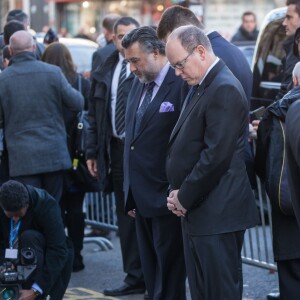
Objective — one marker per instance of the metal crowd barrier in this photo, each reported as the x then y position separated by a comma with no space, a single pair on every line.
257,249
100,214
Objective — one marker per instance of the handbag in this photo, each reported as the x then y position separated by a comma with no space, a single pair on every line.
79,174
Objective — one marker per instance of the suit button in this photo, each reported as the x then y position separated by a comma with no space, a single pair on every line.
132,147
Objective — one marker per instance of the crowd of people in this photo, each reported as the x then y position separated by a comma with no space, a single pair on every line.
168,114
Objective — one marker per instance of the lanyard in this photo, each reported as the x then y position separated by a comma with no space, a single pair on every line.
13,232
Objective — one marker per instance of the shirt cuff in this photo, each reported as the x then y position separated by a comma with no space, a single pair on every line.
35,286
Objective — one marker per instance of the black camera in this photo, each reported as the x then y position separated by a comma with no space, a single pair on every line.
12,275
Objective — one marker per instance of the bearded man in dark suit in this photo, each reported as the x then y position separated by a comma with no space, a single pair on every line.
205,167
153,107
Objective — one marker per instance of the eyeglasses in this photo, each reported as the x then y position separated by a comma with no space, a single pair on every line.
180,65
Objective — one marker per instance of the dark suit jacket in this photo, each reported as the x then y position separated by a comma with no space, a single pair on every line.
100,56
145,154
100,131
293,155
205,158
234,59
44,216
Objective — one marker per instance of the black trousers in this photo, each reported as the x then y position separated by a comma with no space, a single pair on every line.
51,182
213,265
161,250
289,279
126,224
74,219
35,240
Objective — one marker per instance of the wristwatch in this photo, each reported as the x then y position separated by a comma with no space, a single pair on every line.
36,292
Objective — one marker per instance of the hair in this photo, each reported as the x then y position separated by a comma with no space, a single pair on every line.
125,21
248,13
296,3
295,46
13,196
50,37
17,14
174,17
6,53
190,37
296,71
59,55
146,37
10,28
109,22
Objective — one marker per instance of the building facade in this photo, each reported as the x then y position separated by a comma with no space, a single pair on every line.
86,16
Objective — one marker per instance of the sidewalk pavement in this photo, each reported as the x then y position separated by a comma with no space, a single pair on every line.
103,269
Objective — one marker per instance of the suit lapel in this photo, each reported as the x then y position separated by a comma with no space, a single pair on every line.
133,106
157,100
196,98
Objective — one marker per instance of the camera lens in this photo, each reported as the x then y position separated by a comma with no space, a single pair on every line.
27,256
8,293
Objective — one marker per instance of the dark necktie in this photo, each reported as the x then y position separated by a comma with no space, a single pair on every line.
141,110
120,104
15,242
191,94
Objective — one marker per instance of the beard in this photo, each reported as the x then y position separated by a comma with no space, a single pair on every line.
146,77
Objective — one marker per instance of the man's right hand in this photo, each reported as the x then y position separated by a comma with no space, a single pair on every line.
27,295
92,166
132,213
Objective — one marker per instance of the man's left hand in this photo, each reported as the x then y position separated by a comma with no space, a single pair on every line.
27,295
174,205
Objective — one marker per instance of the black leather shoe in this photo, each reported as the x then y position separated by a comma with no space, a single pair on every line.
125,289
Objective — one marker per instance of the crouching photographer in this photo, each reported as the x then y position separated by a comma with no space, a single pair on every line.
35,255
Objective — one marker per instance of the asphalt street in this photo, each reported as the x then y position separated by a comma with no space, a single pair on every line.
103,269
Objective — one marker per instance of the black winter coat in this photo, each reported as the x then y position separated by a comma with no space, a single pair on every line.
100,131
269,166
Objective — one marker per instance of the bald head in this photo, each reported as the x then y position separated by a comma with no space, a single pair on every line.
190,36
296,74
21,41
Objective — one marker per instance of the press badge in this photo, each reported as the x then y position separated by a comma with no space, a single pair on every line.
11,253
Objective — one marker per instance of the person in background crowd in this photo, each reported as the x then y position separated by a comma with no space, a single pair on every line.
290,23
209,186
34,132
82,34
50,37
63,32
105,147
247,31
73,196
292,147
103,53
35,219
6,56
20,15
271,166
10,28
153,107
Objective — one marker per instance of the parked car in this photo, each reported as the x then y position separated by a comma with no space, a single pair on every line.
247,48
267,63
81,50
